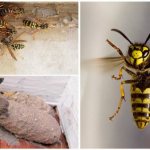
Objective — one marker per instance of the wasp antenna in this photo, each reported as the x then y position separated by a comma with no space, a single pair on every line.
147,39
116,30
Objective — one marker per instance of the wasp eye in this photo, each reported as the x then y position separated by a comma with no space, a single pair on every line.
130,51
145,53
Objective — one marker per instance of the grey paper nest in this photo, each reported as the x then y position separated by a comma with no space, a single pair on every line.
29,120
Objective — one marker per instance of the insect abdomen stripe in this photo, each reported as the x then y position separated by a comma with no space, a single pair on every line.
140,114
140,95
30,24
142,105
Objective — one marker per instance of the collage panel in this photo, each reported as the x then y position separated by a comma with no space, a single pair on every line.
39,112
39,38
115,75
39,75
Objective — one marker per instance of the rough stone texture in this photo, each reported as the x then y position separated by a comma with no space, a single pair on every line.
29,100
3,107
30,123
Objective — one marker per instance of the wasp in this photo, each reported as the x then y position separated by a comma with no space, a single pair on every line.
6,29
10,10
34,25
17,46
136,65
10,42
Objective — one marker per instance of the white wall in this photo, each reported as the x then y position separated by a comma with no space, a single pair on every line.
69,108
50,88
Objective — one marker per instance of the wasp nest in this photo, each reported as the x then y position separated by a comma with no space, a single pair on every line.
28,122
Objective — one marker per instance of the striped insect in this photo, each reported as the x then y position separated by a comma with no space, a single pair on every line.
34,25
6,10
10,42
17,46
6,29
136,64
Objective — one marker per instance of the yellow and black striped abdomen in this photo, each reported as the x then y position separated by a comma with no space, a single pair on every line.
17,46
140,101
30,24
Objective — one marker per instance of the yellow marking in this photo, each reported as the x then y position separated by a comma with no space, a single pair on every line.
136,54
142,122
142,119
141,125
146,110
147,91
121,90
131,60
137,100
145,48
139,109
146,101
136,90
139,61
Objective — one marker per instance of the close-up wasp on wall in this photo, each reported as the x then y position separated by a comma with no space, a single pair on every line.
136,64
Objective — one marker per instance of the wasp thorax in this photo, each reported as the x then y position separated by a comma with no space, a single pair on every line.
138,54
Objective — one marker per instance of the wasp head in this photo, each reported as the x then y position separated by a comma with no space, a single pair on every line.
138,54
18,10
7,40
11,30
44,26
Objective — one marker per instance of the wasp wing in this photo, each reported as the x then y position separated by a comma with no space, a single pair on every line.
11,53
19,41
105,64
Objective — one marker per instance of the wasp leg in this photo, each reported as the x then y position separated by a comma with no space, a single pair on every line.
122,96
29,32
19,35
120,73
116,48
33,33
1,50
